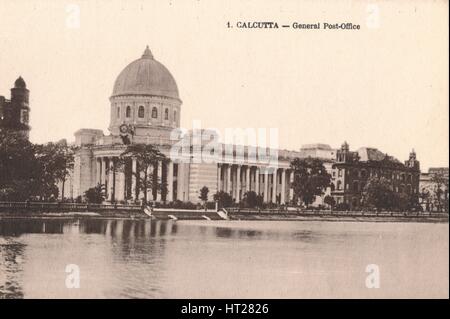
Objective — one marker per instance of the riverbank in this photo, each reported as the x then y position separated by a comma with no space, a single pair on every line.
120,211
340,218
212,215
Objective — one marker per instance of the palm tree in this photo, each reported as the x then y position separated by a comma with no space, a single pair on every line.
147,156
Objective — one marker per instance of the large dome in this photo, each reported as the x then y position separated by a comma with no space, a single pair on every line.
146,76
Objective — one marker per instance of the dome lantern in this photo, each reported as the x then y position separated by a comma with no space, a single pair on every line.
147,53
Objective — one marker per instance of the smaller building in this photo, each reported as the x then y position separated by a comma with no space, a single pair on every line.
14,113
352,170
318,150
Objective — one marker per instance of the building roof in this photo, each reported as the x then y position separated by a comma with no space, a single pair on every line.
316,146
373,154
146,76
20,83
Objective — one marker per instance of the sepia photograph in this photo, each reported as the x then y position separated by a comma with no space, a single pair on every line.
245,150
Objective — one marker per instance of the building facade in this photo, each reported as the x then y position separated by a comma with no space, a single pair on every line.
14,113
145,107
352,169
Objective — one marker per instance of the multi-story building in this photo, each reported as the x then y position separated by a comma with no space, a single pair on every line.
14,113
352,170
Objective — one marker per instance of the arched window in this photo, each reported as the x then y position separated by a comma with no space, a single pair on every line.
128,111
166,114
118,112
154,112
141,112
175,115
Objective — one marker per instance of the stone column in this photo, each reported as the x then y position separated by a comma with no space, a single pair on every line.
98,178
169,196
133,178
149,177
266,185
283,186
257,180
111,179
120,188
219,176
229,180
247,179
180,181
104,177
274,186
291,181
238,183
160,179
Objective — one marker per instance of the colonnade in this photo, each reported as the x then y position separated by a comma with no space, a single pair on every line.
121,181
274,184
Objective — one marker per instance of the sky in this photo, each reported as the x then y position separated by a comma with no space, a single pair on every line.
383,86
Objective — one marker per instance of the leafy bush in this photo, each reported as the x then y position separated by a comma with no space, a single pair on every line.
95,195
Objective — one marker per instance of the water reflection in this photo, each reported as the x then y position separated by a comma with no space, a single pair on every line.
11,258
124,258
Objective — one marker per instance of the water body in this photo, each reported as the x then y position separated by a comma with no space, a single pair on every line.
225,259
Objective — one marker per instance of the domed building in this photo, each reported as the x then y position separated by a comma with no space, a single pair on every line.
146,109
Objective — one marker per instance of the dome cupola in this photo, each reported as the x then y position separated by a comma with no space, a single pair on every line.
146,76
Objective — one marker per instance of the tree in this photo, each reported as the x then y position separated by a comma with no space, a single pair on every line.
329,200
441,191
425,198
378,193
147,157
310,179
95,195
19,169
204,195
224,199
252,200
56,161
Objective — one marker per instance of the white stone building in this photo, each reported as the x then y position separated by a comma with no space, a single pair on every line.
146,108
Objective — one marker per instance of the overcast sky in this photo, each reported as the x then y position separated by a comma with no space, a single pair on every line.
384,87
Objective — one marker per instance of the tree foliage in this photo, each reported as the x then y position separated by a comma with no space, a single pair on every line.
329,200
441,192
28,170
252,200
378,193
224,199
56,161
204,194
310,179
147,157
19,169
95,195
